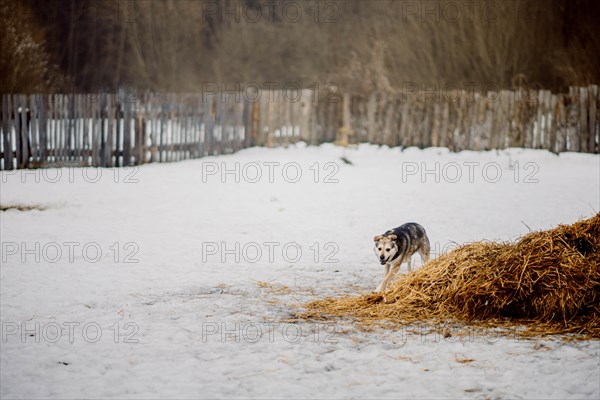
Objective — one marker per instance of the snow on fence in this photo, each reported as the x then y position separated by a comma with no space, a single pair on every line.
107,130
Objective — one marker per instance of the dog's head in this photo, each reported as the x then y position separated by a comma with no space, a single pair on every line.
385,248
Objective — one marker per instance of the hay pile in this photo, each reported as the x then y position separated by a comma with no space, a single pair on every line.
548,281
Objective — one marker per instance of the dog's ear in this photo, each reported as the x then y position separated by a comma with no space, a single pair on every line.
393,237
377,238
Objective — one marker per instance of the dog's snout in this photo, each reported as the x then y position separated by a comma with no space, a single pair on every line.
381,257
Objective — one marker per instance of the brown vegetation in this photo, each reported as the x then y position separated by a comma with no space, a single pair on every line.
359,45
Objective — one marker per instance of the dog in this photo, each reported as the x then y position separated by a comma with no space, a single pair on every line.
397,246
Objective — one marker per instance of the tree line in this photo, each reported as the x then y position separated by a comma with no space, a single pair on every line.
360,46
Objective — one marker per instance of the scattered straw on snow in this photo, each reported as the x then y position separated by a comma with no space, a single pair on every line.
548,281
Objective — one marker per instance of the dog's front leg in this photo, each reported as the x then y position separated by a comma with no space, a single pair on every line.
391,269
386,271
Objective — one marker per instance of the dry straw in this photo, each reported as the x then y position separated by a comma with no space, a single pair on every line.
548,282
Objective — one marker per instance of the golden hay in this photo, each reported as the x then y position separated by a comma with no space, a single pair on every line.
548,281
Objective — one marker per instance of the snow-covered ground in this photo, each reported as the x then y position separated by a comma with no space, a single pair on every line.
178,280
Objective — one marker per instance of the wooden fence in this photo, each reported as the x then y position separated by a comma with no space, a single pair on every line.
110,130
468,120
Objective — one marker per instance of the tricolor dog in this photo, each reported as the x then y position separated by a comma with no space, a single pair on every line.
397,246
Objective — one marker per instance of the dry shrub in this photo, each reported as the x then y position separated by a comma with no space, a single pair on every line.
548,281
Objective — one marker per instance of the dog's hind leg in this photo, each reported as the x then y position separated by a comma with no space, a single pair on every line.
408,263
424,250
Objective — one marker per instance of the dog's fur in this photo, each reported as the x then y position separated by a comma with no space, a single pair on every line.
397,246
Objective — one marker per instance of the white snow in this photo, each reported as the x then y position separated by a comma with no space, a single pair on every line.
182,320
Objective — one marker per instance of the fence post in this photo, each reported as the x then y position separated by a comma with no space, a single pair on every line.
260,115
17,125
247,121
209,137
140,135
594,131
371,110
43,124
572,120
553,118
582,131
6,132
126,110
110,132
561,123
33,131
